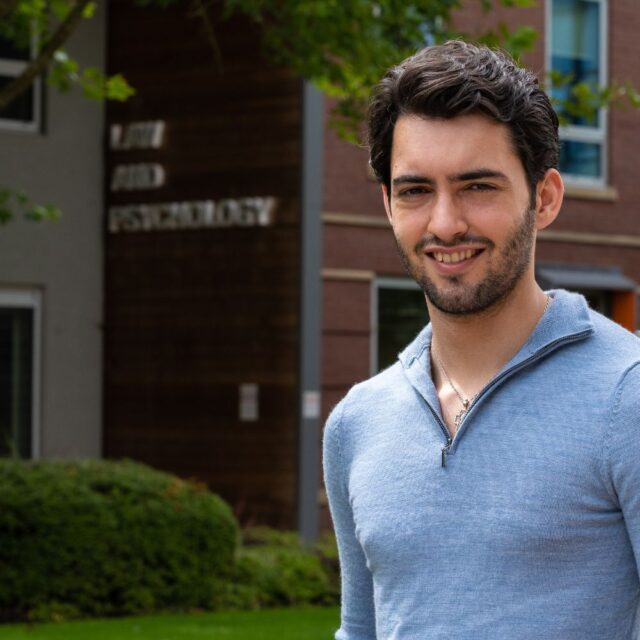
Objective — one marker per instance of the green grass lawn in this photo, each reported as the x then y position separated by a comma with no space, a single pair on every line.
280,624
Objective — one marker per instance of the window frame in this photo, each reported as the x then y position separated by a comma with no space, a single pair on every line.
13,68
383,282
30,299
577,133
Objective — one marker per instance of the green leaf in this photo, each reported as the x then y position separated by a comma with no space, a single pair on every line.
21,198
15,203
89,10
5,214
60,8
117,88
41,212
63,72
520,41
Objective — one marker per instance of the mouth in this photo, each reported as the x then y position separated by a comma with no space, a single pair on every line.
454,257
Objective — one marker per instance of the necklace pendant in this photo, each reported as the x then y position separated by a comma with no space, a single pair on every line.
458,419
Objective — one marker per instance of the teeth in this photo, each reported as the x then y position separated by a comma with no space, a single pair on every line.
456,256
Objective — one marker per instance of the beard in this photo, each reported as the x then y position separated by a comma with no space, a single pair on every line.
462,298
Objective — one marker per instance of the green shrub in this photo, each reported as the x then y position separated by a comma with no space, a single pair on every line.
108,538
274,569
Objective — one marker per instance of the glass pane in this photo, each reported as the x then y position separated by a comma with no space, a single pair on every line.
576,47
16,364
9,51
581,159
402,313
21,108
599,300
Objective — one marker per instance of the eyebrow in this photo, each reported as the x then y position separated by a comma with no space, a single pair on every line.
474,174
413,179
477,174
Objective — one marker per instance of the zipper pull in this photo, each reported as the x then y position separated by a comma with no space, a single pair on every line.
445,450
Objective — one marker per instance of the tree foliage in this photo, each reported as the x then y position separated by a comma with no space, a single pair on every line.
42,28
345,47
342,46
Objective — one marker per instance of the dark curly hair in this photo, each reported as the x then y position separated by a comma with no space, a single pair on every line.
457,78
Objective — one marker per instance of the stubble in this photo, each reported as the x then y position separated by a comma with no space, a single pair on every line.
461,298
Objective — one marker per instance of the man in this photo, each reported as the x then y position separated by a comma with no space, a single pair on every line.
487,485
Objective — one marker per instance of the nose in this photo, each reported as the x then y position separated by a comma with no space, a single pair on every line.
447,220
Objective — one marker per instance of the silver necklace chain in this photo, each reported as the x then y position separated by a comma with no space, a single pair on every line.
466,402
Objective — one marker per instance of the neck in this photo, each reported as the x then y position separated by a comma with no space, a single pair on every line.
474,348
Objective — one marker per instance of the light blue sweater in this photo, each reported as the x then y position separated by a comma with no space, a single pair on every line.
531,530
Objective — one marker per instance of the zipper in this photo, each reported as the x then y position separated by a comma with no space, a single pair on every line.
447,435
445,451
497,380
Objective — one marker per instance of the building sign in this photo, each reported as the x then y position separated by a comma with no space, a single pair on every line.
230,212
137,177
147,176
137,135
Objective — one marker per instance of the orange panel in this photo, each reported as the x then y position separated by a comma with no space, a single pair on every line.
625,309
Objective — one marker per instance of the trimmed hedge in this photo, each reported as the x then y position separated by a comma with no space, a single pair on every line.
107,538
273,569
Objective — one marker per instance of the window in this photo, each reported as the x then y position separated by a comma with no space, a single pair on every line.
23,114
399,312
19,373
577,45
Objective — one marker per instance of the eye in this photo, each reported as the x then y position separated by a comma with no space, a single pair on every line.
412,191
480,186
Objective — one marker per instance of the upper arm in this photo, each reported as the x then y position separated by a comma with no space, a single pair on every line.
358,614
623,448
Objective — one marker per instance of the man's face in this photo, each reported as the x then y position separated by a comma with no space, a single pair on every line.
460,210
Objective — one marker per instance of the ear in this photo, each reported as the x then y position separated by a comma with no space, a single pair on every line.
387,203
549,195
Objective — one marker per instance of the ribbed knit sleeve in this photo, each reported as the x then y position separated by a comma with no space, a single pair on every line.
623,453
358,614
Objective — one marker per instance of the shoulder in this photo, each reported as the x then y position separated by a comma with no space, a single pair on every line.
385,389
365,397
616,340
368,409
608,350
613,357
611,362
622,436
622,440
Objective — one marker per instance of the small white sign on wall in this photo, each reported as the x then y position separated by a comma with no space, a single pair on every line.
311,404
248,406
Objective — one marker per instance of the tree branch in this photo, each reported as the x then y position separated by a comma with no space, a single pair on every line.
38,65
199,9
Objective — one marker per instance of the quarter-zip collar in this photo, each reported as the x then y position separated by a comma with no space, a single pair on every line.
566,320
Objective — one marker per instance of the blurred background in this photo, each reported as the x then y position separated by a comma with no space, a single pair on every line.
222,270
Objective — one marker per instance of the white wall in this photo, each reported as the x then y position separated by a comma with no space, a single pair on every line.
64,259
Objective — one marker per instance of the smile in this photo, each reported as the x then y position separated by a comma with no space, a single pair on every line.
456,256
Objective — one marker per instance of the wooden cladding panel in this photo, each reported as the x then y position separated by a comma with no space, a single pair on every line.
231,131
192,327
192,314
